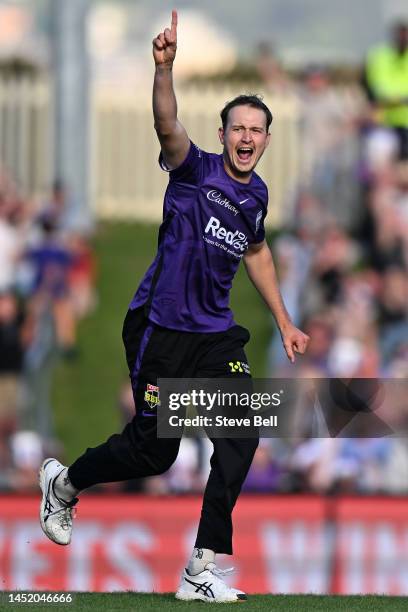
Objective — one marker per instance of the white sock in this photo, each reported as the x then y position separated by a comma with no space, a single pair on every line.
200,558
63,487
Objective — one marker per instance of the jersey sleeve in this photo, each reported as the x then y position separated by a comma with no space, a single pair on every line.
190,170
260,219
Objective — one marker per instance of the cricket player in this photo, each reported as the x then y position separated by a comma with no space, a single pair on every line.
179,323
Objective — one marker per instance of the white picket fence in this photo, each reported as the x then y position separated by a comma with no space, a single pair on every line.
26,133
125,178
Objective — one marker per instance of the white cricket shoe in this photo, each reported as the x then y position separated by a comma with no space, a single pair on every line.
55,514
208,586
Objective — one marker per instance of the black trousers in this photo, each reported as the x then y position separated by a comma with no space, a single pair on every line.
154,352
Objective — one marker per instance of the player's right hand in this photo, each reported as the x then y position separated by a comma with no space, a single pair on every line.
165,44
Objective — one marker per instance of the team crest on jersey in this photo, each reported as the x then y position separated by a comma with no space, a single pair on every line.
258,221
151,396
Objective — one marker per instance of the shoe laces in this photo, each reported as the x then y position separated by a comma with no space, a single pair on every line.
66,514
217,571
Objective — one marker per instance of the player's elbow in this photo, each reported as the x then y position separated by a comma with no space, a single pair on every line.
165,129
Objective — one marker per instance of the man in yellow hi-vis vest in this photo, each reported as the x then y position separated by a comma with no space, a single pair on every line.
386,84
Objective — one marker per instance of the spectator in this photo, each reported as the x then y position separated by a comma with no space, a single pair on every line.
11,359
51,261
328,144
386,84
271,72
81,276
266,471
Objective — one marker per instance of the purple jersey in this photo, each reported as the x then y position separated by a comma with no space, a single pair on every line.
209,220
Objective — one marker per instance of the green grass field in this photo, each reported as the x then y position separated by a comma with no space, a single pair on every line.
257,603
85,392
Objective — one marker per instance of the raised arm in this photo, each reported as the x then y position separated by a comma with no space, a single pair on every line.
173,137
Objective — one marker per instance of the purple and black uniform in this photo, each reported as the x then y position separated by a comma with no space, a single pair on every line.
209,220
179,325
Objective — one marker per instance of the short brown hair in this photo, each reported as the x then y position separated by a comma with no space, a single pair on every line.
253,100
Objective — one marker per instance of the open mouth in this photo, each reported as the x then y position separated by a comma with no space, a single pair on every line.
244,154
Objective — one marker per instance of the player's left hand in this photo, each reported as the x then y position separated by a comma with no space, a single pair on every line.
294,341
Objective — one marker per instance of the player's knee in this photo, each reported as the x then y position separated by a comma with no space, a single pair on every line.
162,464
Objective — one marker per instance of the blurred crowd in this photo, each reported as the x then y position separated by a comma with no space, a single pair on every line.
342,258
47,278
343,261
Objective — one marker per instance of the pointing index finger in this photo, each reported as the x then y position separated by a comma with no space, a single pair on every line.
174,20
